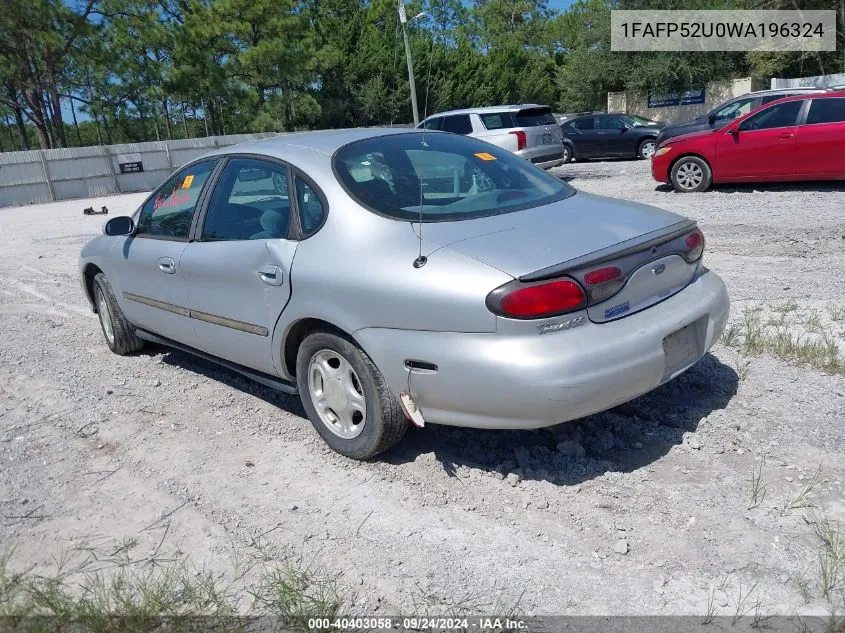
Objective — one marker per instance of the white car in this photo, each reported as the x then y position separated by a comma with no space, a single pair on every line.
528,130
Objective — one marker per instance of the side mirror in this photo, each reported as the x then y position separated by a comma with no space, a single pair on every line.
711,119
733,130
121,225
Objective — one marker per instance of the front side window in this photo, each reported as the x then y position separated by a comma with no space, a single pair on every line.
736,109
638,121
168,212
831,110
457,124
250,202
609,123
442,177
783,115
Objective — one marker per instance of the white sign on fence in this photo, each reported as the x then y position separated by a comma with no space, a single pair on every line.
130,163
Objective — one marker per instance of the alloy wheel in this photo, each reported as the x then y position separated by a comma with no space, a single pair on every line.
689,176
648,149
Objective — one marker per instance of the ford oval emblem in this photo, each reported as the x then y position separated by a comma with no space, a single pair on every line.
657,270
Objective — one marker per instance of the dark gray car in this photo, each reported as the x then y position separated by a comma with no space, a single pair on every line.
613,135
722,114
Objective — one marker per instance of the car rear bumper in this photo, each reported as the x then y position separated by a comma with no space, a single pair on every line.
505,381
544,156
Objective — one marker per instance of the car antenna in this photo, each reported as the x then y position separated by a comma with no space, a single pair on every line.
421,259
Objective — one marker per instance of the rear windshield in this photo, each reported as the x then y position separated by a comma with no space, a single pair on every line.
441,177
531,117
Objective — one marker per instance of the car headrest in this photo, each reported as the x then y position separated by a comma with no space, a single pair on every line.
274,223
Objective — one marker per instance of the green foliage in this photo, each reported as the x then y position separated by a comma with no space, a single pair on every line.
80,72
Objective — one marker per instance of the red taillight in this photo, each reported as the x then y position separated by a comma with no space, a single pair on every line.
548,299
600,275
521,141
695,245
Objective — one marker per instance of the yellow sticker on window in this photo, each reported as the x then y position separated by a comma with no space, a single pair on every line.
485,156
186,184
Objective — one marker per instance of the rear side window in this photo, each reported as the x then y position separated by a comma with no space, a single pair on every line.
497,120
311,209
783,115
457,124
168,213
826,111
250,202
441,177
532,117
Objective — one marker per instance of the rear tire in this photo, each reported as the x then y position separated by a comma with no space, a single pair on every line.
346,397
691,173
567,153
118,332
647,148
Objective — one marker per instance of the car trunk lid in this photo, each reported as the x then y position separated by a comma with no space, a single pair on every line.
578,235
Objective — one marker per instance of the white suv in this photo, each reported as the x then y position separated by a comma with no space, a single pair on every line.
527,130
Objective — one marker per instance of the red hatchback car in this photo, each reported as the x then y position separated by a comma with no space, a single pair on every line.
796,138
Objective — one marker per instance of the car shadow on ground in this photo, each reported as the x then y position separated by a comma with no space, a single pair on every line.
770,187
624,439
218,373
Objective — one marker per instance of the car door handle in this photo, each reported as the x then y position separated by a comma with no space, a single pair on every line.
167,265
786,135
271,275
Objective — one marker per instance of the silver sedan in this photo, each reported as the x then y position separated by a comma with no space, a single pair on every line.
407,277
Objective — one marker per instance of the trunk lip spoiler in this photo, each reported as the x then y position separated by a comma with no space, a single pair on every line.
627,247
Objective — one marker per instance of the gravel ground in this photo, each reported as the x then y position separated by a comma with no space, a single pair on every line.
644,509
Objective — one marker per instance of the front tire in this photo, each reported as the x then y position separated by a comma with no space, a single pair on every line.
647,148
690,174
567,153
346,397
118,332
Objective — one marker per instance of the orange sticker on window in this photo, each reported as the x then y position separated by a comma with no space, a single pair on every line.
186,184
485,156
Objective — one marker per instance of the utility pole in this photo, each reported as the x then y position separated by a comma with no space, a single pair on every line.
403,18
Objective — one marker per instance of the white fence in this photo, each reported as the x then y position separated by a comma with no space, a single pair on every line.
84,172
822,81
